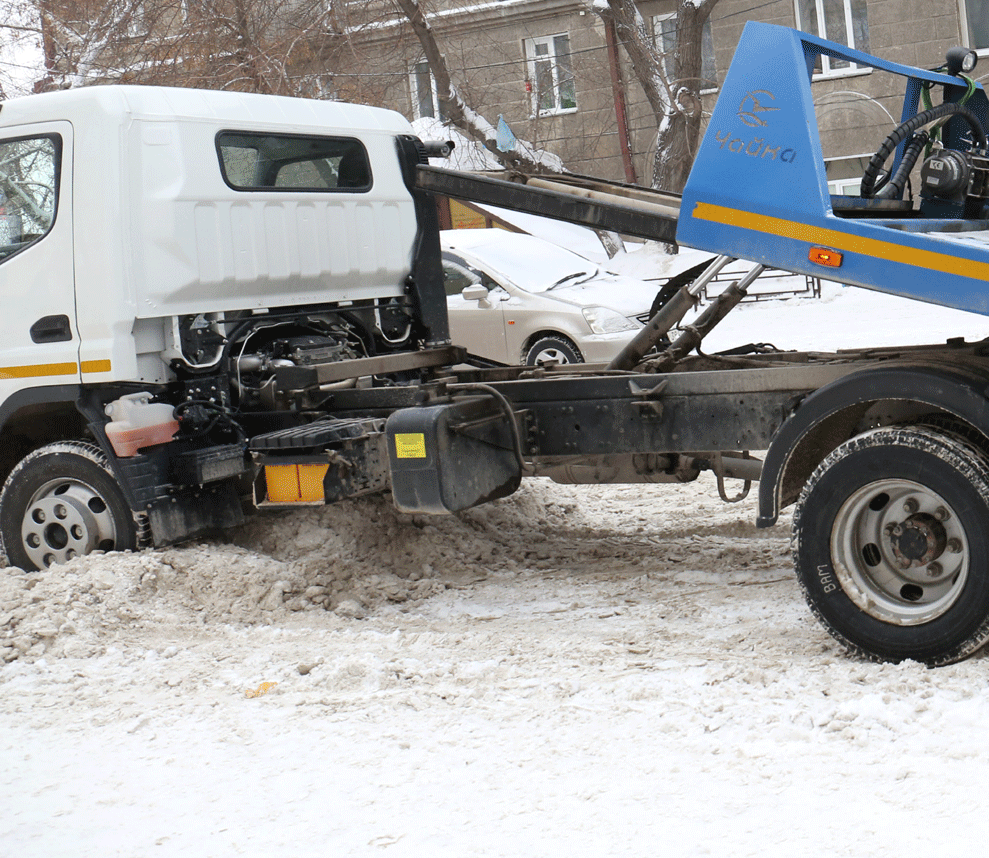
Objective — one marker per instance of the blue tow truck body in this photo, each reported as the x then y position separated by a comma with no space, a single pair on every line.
882,452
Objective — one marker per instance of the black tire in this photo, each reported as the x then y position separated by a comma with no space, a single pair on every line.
891,545
62,501
552,348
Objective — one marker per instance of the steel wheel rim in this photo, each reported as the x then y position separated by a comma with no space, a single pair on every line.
65,519
550,355
886,525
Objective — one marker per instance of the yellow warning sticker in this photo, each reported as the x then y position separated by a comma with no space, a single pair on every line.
410,445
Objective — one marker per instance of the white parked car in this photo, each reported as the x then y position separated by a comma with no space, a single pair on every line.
515,298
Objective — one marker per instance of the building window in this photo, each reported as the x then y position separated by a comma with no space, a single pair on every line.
975,13
135,22
843,21
550,80
664,30
845,174
425,102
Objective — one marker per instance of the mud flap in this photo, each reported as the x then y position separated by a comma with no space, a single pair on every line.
191,513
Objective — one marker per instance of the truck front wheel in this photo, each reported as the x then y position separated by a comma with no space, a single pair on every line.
891,546
62,501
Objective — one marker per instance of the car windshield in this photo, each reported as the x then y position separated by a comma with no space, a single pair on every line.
534,265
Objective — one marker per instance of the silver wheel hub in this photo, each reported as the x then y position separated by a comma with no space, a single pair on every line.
551,355
66,519
900,552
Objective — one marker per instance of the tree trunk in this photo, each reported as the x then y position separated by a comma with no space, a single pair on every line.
672,87
676,141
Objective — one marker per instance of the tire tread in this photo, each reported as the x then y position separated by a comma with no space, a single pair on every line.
85,450
966,458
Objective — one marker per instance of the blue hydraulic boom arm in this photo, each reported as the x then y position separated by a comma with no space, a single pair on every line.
758,188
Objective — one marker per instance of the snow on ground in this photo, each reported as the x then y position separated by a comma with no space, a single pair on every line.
590,671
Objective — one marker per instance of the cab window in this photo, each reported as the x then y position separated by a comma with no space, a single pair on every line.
29,169
264,162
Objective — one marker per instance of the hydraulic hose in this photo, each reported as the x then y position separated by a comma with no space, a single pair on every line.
906,129
893,189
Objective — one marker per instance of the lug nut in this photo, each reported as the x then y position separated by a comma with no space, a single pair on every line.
954,545
910,506
897,530
934,569
941,514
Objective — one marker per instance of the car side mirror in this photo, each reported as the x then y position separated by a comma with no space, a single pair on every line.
476,292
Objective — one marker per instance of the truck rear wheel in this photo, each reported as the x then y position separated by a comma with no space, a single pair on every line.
62,501
891,546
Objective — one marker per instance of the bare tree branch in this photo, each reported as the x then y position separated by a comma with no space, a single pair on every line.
525,158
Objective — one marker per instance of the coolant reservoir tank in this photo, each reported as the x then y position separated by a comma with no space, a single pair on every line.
137,422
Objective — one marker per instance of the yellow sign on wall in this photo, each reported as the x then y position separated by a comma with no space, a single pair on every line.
463,217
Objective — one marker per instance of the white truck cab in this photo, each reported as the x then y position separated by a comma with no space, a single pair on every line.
142,205
182,245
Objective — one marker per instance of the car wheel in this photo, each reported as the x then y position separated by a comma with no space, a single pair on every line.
556,349
62,501
891,547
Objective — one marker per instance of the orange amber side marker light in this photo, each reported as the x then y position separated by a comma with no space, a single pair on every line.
823,256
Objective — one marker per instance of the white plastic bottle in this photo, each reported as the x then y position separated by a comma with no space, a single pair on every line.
137,422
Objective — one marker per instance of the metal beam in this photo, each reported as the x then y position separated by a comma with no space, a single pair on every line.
591,203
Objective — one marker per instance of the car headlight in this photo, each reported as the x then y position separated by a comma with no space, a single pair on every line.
606,321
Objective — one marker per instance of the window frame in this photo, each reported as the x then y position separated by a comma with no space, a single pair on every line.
707,39
819,29
968,36
532,59
57,145
273,188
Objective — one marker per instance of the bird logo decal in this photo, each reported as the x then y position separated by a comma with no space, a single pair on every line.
752,105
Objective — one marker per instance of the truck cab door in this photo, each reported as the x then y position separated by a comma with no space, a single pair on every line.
40,344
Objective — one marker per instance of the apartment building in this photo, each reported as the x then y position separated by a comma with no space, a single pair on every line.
546,67
551,68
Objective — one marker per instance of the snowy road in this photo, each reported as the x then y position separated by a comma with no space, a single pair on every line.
600,675
614,671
